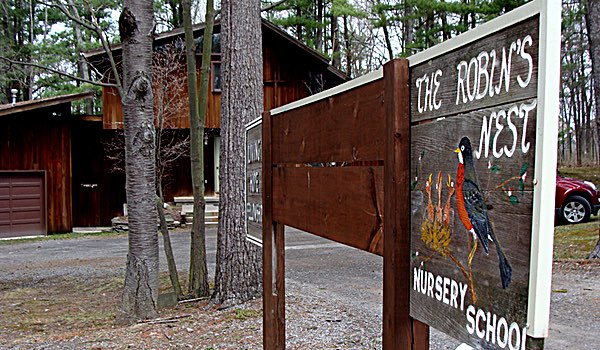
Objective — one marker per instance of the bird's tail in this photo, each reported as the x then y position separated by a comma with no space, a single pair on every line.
505,269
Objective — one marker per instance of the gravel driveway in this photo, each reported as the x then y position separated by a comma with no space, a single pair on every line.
61,294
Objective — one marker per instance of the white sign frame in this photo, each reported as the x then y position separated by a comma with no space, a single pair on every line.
251,125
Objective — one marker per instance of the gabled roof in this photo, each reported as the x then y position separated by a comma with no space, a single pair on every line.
284,35
97,54
24,106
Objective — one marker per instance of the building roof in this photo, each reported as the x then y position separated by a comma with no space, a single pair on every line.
94,56
24,106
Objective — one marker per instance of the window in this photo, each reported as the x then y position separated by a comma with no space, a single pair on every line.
216,76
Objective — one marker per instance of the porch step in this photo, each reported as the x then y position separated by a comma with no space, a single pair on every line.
190,200
211,213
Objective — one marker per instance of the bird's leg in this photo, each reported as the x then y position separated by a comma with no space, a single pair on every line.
430,212
472,239
438,187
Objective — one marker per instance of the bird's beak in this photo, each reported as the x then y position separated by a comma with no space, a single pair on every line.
457,150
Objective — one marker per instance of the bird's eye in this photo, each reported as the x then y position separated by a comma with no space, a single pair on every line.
462,148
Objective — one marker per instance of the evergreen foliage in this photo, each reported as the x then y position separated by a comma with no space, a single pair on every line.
38,32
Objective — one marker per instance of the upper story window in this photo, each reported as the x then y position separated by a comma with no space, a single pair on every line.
216,44
216,76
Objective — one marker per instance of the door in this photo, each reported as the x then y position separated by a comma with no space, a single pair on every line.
217,149
22,204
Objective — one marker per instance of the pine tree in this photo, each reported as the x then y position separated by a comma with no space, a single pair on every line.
238,270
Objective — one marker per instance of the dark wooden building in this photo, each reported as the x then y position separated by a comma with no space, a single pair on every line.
291,71
38,154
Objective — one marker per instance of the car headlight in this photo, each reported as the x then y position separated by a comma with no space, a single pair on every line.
591,184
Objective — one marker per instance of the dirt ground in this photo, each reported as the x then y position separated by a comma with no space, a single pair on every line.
65,314
49,303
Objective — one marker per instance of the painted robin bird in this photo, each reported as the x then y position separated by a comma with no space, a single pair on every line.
472,209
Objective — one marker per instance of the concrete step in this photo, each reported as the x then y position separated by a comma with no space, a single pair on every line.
190,200
210,217
211,210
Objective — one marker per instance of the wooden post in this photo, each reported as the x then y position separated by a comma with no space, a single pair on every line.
398,330
272,237
420,334
280,286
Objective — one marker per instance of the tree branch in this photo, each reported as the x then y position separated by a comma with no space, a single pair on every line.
108,50
93,26
67,13
70,76
272,6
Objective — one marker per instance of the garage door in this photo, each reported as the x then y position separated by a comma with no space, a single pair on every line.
22,204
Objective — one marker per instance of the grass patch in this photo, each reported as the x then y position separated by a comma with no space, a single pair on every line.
58,306
112,285
57,236
575,241
587,173
243,314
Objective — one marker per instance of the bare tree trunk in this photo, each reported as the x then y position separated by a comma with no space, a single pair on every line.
30,73
595,254
198,272
348,47
319,41
298,26
140,293
407,30
336,59
386,33
238,270
176,12
164,230
445,31
82,68
593,29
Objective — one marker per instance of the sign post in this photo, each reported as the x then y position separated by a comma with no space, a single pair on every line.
470,126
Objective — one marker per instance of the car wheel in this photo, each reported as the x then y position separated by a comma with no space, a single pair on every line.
575,210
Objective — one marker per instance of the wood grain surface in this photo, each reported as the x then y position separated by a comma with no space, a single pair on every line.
342,128
344,204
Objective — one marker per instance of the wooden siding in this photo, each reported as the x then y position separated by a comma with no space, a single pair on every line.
112,112
41,140
98,190
287,72
112,109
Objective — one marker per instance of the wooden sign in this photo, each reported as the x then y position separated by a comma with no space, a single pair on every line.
254,204
482,179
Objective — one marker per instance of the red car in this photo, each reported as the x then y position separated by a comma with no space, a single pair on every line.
575,200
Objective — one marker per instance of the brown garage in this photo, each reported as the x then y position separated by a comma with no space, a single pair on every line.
22,204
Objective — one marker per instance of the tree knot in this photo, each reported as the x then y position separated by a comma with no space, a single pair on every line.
127,24
140,86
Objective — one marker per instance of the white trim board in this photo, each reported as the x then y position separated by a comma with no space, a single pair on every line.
254,123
